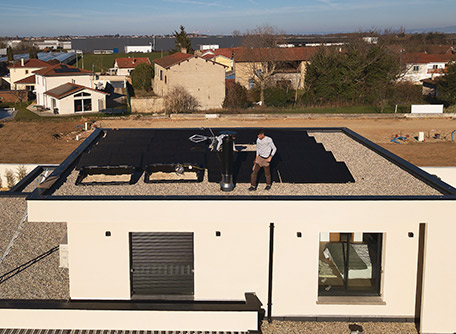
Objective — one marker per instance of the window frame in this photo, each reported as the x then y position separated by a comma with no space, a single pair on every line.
377,268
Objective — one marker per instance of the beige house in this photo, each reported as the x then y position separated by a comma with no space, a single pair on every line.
21,73
224,56
203,79
71,98
284,66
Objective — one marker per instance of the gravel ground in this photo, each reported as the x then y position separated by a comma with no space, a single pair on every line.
298,327
44,279
373,175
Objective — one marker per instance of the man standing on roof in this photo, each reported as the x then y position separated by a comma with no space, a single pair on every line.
265,151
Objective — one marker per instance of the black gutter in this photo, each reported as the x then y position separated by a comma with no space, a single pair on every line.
271,273
239,198
417,172
67,163
251,303
22,184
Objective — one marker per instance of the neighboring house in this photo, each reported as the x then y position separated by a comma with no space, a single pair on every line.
421,66
204,79
71,98
289,63
21,73
224,56
54,76
124,66
348,232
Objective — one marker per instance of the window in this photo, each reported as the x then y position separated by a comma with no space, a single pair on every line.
349,264
251,84
165,79
26,72
434,67
161,75
82,102
416,68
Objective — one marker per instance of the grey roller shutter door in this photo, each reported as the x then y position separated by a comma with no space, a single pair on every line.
161,263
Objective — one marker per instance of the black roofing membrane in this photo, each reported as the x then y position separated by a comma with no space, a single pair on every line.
299,158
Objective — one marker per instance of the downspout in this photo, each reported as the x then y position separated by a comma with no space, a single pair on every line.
271,256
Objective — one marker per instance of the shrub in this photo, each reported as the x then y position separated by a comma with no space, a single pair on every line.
179,100
235,96
10,178
21,172
141,77
279,97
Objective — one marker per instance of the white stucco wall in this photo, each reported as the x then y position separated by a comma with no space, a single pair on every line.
422,72
129,320
44,84
237,262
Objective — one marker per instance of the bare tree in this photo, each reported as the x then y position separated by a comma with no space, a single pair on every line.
264,36
179,100
263,61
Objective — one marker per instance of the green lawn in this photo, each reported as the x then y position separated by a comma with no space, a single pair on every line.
22,113
105,62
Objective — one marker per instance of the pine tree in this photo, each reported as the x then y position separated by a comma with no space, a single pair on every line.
182,41
10,54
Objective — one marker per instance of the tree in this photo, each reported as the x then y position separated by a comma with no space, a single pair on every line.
10,54
361,74
141,76
179,100
182,41
33,53
263,60
264,36
235,96
446,85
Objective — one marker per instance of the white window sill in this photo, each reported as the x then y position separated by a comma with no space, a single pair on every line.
350,300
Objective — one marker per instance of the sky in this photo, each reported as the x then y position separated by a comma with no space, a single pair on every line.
149,17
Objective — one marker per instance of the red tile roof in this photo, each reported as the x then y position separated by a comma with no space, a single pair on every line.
131,62
274,54
27,80
69,89
33,63
173,59
61,70
424,58
226,52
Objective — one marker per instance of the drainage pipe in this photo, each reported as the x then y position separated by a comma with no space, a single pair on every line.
227,183
271,256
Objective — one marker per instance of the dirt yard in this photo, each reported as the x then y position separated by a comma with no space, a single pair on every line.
51,142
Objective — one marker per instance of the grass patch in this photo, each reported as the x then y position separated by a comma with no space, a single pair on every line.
102,63
23,114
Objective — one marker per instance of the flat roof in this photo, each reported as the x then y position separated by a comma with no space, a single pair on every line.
311,163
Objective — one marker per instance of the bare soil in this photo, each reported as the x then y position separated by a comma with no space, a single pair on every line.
52,142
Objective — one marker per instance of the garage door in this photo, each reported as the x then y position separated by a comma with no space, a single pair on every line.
161,264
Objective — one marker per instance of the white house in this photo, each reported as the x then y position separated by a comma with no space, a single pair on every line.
420,66
57,75
71,98
124,66
349,231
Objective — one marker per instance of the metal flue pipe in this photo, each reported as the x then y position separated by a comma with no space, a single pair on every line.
227,183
